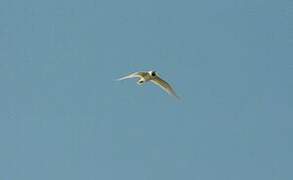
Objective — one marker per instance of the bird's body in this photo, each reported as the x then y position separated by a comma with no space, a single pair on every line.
146,76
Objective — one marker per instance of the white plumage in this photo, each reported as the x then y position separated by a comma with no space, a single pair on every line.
145,76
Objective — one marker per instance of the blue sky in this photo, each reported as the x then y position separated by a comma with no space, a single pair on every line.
62,115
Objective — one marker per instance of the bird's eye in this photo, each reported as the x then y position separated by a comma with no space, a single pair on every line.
153,73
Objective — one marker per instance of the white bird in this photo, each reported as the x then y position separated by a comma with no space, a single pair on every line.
145,76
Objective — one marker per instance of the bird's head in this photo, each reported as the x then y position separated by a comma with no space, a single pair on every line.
153,73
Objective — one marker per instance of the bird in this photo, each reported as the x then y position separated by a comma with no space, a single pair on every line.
152,76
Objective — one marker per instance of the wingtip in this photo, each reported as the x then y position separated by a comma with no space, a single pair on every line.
175,96
178,98
122,78
119,79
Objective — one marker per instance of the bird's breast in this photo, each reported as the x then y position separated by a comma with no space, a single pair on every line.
147,77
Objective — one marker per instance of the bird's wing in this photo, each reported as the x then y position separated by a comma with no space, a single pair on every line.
133,75
165,86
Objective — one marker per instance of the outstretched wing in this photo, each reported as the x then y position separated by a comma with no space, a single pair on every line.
165,86
133,75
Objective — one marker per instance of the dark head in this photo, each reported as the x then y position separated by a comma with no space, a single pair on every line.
153,73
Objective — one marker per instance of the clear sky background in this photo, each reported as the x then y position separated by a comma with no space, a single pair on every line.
62,115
